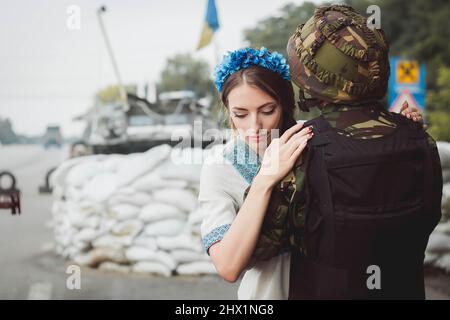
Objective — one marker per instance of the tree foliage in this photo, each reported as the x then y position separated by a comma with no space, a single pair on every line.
183,72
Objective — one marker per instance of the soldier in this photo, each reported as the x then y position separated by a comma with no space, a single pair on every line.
368,192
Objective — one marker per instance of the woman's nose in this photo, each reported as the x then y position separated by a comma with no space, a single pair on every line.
256,124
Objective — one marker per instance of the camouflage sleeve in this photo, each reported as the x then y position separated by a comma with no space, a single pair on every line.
283,222
296,221
273,236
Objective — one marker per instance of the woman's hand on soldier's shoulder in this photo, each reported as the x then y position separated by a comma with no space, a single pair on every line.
282,153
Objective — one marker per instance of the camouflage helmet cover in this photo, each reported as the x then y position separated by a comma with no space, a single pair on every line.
337,58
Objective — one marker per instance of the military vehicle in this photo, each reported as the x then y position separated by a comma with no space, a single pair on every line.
178,118
52,137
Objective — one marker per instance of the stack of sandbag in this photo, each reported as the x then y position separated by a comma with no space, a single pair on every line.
132,213
438,249
444,154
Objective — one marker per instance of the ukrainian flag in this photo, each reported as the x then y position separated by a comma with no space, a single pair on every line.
211,25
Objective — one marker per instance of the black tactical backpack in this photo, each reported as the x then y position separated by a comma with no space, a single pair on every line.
371,206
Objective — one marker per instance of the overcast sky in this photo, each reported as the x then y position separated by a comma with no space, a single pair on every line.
50,73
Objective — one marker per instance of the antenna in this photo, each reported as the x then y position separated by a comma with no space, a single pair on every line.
122,91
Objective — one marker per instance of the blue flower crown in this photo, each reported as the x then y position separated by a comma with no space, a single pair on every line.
244,58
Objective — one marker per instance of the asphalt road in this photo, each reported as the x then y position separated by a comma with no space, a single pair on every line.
29,268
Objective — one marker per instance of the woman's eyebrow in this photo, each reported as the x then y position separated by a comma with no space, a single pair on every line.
261,106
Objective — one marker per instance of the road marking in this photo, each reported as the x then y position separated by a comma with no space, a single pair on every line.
40,291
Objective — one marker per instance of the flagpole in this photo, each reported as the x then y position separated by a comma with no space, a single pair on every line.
216,49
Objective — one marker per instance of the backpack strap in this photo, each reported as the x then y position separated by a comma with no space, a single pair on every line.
322,132
321,129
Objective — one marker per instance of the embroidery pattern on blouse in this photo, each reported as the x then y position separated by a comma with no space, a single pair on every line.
243,159
215,235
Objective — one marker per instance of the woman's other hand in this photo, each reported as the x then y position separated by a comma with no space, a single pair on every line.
412,113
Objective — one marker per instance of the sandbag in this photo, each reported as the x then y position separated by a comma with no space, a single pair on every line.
83,172
137,253
86,235
185,256
58,177
87,207
196,268
127,228
151,268
438,243
443,227
112,162
98,255
100,187
166,227
183,171
81,221
114,267
444,153
137,198
183,199
446,176
73,193
111,241
430,258
136,165
159,211
446,201
152,182
123,212
146,242
181,241
443,262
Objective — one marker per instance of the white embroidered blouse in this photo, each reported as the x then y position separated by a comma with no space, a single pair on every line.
223,181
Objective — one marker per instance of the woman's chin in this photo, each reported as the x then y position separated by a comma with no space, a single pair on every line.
257,145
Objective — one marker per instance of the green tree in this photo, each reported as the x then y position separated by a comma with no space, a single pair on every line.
438,103
183,72
274,32
7,134
112,94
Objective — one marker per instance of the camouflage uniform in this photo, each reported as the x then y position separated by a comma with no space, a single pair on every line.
334,58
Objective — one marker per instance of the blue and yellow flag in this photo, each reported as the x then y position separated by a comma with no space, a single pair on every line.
210,26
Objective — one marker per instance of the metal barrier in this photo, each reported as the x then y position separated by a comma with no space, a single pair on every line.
9,197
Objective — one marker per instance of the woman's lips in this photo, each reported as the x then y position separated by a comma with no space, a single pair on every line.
257,138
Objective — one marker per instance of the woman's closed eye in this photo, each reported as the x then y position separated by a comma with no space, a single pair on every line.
240,115
267,113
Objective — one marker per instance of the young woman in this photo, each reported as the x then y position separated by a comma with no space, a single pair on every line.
236,185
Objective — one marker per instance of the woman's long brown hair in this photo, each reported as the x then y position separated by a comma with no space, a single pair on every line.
269,82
